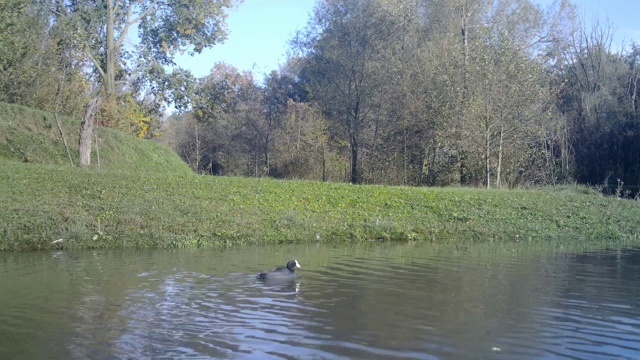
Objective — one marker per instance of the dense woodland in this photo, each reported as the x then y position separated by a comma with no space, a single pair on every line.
485,93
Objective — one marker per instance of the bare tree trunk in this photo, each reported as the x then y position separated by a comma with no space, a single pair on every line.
466,13
95,133
487,154
256,160
372,169
86,131
197,149
55,116
324,163
266,155
566,150
109,80
424,170
346,170
499,170
354,158
64,140
405,156
354,129
633,84
465,53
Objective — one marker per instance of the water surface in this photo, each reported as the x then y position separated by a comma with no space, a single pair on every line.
373,301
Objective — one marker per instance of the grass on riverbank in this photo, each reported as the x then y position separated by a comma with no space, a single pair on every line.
90,208
143,195
32,136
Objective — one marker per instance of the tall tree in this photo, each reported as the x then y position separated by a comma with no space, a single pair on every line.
217,102
342,46
38,68
487,82
100,28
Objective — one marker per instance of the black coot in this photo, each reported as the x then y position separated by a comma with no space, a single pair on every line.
281,272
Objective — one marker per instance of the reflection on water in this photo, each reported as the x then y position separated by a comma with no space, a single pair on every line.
373,301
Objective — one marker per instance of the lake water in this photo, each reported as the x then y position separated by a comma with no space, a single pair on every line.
372,301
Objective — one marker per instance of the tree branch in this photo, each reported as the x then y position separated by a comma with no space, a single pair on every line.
130,22
144,13
125,30
96,64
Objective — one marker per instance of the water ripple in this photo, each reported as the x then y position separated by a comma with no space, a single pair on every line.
378,302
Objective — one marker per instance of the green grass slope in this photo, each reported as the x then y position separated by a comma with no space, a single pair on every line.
104,209
32,136
144,196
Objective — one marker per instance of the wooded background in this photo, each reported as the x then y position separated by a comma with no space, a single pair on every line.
487,93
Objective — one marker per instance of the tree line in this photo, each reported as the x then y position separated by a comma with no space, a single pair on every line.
486,93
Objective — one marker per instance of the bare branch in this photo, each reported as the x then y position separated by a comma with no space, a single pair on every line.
144,13
95,63
125,30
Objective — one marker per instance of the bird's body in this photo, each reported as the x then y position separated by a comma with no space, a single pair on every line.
280,272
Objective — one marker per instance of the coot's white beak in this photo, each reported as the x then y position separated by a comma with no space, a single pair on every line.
298,264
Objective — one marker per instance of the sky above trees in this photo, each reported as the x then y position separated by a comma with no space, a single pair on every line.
260,30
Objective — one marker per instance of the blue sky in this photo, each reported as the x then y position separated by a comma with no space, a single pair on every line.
259,31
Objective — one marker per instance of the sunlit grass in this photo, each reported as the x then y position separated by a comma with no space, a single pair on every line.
33,136
89,208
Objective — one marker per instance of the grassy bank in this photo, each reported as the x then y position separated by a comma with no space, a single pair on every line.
144,196
97,209
32,136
